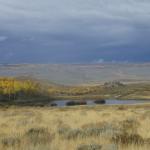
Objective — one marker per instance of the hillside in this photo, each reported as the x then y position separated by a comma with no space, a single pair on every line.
79,74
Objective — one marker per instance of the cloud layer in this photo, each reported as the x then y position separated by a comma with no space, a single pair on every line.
74,31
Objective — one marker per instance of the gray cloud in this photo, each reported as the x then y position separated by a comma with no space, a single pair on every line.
52,15
3,38
83,26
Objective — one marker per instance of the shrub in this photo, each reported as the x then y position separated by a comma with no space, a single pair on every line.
100,102
38,136
70,133
94,125
73,103
129,125
87,132
113,84
125,139
122,107
101,128
10,141
63,131
53,104
89,147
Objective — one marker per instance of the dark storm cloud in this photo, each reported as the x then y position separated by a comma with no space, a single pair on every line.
74,31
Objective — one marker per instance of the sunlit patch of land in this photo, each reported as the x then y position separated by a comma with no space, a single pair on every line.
14,91
75,128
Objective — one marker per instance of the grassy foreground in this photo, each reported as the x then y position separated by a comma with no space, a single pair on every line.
75,128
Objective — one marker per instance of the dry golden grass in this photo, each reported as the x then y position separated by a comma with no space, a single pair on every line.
75,128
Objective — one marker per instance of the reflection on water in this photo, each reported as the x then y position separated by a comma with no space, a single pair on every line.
62,103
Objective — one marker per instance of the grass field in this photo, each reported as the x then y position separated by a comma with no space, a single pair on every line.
75,128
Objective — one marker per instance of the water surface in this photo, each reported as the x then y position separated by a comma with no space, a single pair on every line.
62,103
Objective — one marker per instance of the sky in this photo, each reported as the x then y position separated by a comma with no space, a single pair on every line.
74,31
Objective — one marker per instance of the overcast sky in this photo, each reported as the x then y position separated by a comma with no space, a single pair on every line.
74,31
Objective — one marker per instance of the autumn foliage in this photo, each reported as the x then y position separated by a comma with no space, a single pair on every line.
12,89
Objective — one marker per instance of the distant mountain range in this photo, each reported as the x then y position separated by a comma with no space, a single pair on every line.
69,74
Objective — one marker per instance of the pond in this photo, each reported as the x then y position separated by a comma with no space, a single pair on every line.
62,103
